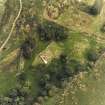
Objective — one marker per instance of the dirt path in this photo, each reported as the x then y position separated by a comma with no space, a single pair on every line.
13,26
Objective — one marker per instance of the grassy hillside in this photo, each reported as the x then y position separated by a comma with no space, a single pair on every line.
54,43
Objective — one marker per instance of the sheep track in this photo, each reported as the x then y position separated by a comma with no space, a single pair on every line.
13,26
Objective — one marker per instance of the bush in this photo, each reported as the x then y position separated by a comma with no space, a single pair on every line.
51,93
21,77
79,68
13,93
15,97
93,11
40,99
27,48
63,58
50,31
92,56
103,28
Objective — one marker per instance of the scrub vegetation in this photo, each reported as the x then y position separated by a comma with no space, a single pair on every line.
55,53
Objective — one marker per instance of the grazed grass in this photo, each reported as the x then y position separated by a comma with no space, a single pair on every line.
7,82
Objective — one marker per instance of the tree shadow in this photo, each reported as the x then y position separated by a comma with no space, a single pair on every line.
90,9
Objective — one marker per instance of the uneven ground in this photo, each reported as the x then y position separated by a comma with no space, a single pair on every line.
86,88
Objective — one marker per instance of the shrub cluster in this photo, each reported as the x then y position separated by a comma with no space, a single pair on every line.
51,31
